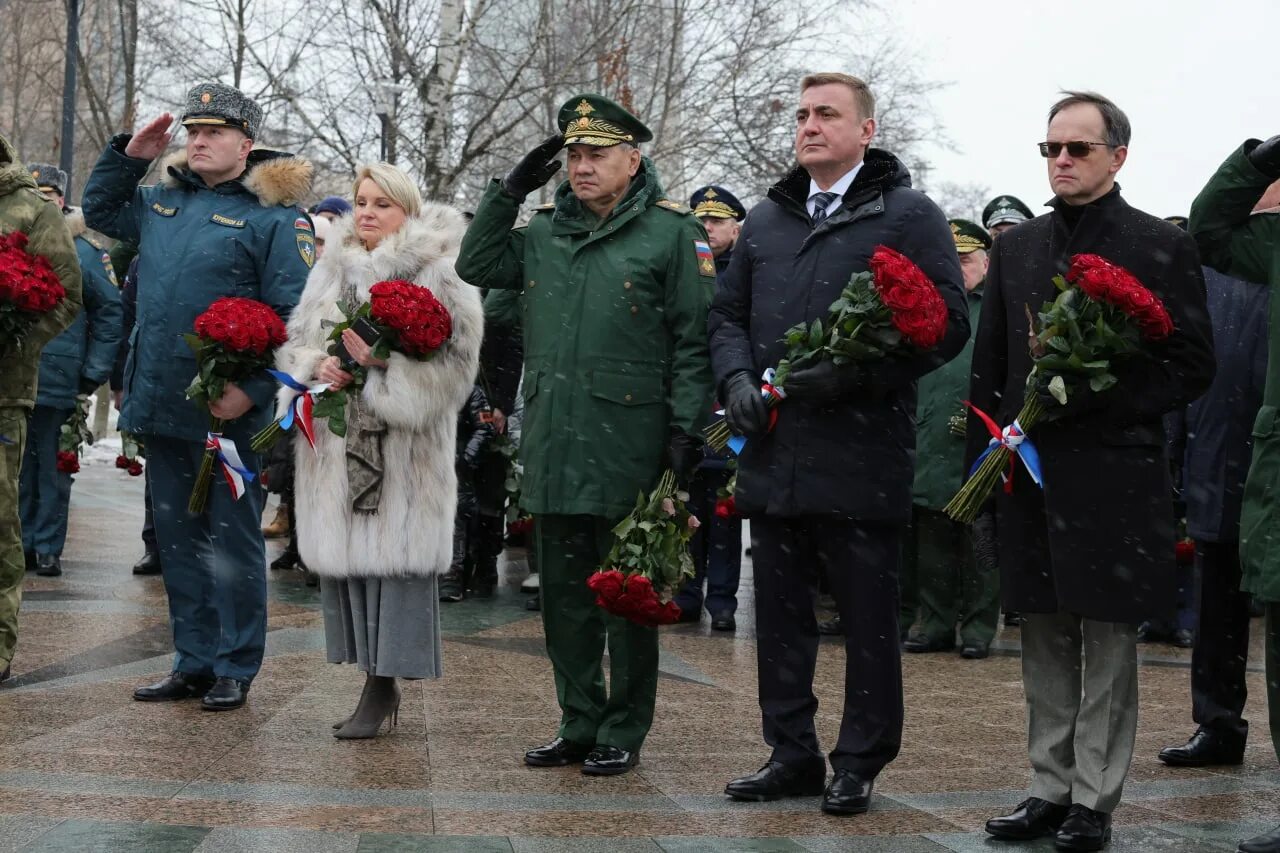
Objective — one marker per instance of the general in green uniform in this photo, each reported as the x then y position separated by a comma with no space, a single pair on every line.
616,286
954,585
23,208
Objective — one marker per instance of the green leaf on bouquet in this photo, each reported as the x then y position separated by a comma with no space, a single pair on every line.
815,334
1059,343
1060,283
1058,390
1102,382
193,341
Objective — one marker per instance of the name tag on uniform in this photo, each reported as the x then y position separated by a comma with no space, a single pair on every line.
164,211
227,221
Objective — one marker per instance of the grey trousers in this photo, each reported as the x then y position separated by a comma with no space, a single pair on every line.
1081,682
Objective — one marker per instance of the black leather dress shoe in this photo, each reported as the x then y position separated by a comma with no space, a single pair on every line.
1268,842
1032,818
1084,829
848,793
723,622
918,645
225,694
558,753
831,628
1205,749
48,565
148,565
177,685
974,651
609,761
690,613
776,780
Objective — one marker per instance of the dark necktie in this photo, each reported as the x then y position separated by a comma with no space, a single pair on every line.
820,202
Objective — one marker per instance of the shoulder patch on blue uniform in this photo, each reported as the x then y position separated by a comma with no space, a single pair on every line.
162,210
110,270
302,223
306,241
227,221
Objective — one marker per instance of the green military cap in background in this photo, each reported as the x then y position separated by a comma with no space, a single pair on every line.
49,177
717,202
969,236
596,120
219,104
1005,209
1180,221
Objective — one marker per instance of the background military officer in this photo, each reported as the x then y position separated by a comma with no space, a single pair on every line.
23,208
617,382
953,587
221,223
1004,212
717,546
72,365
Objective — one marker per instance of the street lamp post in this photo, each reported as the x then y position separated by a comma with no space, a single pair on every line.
68,145
384,93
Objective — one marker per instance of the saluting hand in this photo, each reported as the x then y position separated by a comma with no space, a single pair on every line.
150,142
534,169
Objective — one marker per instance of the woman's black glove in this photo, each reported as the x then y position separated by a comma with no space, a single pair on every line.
823,381
744,406
535,169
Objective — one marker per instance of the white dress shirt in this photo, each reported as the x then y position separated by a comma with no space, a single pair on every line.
840,187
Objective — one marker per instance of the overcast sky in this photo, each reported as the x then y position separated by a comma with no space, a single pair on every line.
1196,78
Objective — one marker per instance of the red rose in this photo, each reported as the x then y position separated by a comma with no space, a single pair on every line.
1184,552
607,585
68,462
122,462
135,468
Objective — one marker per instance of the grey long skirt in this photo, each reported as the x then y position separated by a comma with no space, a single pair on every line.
386,626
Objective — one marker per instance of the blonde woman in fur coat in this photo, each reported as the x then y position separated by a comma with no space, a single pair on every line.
375,510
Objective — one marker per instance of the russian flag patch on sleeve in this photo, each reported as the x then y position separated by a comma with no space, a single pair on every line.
706,260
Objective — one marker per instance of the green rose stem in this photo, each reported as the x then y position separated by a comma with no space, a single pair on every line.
964,507
204,478
265,439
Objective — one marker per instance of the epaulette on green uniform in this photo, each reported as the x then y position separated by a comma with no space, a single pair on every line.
673,206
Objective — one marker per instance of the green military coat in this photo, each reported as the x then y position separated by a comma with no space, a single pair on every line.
23,208
1245,246
615,331
940,395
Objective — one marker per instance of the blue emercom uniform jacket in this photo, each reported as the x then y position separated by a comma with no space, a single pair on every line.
81,357
197,244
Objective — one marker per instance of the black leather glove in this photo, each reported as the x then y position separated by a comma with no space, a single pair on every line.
744,406
823,381
1266,157
685,453
87,385
535,169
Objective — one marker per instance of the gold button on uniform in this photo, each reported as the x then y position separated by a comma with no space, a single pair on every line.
626,285
627,398
635,309
532,282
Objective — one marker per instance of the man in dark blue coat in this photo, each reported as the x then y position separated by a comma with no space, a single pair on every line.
222,222
72,365
830,484
1219,446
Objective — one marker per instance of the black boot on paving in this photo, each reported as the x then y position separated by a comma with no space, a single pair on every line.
1268,842
48,565
452,587
558,753
1084,829
225,695
379,702
1205,749
847,794
777,780
1032,818
609,761
148,565
175,686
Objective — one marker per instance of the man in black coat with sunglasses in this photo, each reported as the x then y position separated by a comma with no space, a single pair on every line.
830,483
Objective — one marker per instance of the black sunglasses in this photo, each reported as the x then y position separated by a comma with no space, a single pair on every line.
1079,150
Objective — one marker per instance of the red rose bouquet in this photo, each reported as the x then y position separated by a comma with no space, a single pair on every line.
1101,313
891,309
649,559
72,436
131,453
407,318
234,339
29,289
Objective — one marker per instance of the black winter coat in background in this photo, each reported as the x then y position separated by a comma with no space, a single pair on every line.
1218,443
851,457
1098,541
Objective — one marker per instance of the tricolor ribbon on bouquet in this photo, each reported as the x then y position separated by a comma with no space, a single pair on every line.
4,439
300,405
228,457
773,395
1013,439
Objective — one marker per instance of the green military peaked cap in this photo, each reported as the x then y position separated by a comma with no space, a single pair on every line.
596,120
49,177
969,236
220,104
1005,209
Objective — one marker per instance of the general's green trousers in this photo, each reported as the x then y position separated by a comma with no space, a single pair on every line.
13,430
569,549
953,589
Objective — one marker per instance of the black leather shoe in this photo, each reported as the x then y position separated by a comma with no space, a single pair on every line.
177,685
1084,829
974,651
1012,619
1268,842
609,761
776,780
919,645
1032,818
48,565
1205,749
689,614
558,753
225,694
1183,638
831,628
148,565
533,603
723,622
848,793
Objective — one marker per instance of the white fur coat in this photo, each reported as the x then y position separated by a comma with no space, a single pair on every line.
412,532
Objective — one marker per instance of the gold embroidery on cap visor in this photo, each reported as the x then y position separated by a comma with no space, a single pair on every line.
594,131
714,209
966,244
215,120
